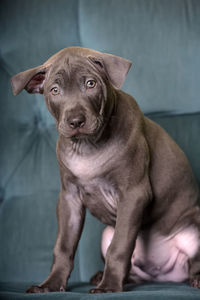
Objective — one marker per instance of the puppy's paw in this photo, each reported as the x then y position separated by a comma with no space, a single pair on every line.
195,282
37,289
100,290
44,289
96,278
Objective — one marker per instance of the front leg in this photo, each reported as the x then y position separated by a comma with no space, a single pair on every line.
118,257
70,215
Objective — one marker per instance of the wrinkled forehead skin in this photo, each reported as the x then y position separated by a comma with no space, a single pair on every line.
69,63
69,57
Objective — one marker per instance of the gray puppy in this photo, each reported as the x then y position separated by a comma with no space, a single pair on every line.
123,167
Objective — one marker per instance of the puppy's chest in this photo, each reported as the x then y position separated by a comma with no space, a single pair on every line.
101,197
90,166
85,168
99,194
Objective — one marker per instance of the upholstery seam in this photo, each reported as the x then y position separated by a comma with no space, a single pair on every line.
78,23
4,66
48,140
20,162
165,114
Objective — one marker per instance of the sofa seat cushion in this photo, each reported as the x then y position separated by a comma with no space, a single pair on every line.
79,291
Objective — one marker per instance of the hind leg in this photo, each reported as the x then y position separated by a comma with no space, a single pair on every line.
194,262
194,271
107,236
96,278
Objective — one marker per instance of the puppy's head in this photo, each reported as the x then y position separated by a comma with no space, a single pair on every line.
78,86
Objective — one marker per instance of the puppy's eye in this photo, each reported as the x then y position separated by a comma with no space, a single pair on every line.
55,91
90,83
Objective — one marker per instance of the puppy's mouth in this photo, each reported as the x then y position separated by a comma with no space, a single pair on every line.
81,132
77,132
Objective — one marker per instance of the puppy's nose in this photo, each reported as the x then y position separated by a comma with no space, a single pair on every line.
76,122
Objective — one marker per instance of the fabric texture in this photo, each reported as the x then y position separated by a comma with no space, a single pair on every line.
79,291
162,39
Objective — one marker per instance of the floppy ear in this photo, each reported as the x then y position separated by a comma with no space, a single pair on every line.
31,80
115,67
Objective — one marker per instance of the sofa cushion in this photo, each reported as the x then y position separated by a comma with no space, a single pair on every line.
79,291
32,31
161,38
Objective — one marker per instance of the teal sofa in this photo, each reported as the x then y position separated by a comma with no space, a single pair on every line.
162,39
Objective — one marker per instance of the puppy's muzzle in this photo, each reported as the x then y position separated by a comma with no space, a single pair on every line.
77,121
